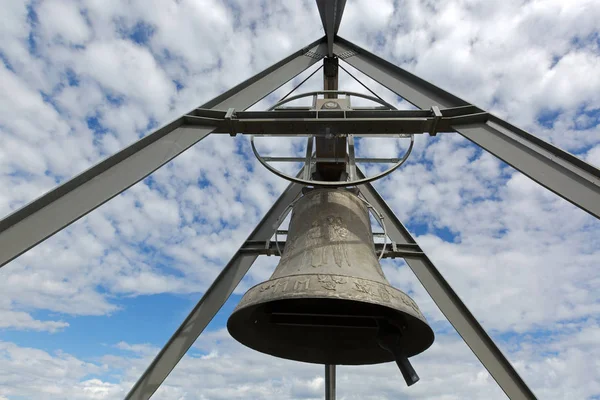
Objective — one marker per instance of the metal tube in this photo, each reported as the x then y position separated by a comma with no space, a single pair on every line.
351,158
329,382
307,161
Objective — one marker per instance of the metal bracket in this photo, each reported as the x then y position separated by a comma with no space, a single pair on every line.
437,117
314,54
347,54
272,248
229,115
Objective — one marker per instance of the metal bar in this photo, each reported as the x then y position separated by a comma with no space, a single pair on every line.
451,305
331,12
301,83
557,170
210,304
329,382
359,159
257,247
330,77
325,145
362,84
302,112
65,204
304,134
307,161
351,158
323,126
447,114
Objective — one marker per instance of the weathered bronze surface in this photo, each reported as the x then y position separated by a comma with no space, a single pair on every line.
324,300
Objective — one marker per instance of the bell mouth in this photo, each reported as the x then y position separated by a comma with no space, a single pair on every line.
323,329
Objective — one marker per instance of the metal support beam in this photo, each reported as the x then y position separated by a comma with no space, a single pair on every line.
211,302
450,304
330,76
259,247
327,146
331,12
72,200
325,123
557,170
329,382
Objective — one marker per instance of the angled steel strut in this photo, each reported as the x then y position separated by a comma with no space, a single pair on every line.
72,200
557,170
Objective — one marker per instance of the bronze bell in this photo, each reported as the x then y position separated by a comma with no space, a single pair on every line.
328,301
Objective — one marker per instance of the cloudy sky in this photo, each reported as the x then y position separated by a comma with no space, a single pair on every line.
83,314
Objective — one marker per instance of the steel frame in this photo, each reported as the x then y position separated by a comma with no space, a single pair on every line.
555,169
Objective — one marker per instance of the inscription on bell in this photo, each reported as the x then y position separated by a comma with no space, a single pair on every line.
363,287
278,285
302,283
327,239
410,303
330,282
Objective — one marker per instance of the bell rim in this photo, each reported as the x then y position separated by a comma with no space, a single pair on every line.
252,305
412,308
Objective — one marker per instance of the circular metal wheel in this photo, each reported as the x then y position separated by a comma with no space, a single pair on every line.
311,182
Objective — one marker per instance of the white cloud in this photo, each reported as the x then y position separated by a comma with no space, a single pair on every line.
52,15
24,321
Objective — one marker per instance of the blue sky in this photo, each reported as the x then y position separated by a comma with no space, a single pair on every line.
83,314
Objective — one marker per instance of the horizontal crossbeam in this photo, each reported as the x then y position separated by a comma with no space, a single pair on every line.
343,122
325,159
272,248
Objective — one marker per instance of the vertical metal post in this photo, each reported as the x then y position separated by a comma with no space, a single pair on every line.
308,160
329,382
332,147
351,158
330,75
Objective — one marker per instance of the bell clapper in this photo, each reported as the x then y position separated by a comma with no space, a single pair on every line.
389,337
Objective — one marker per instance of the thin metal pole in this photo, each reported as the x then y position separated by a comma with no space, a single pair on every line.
301,83
362,84
329,382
